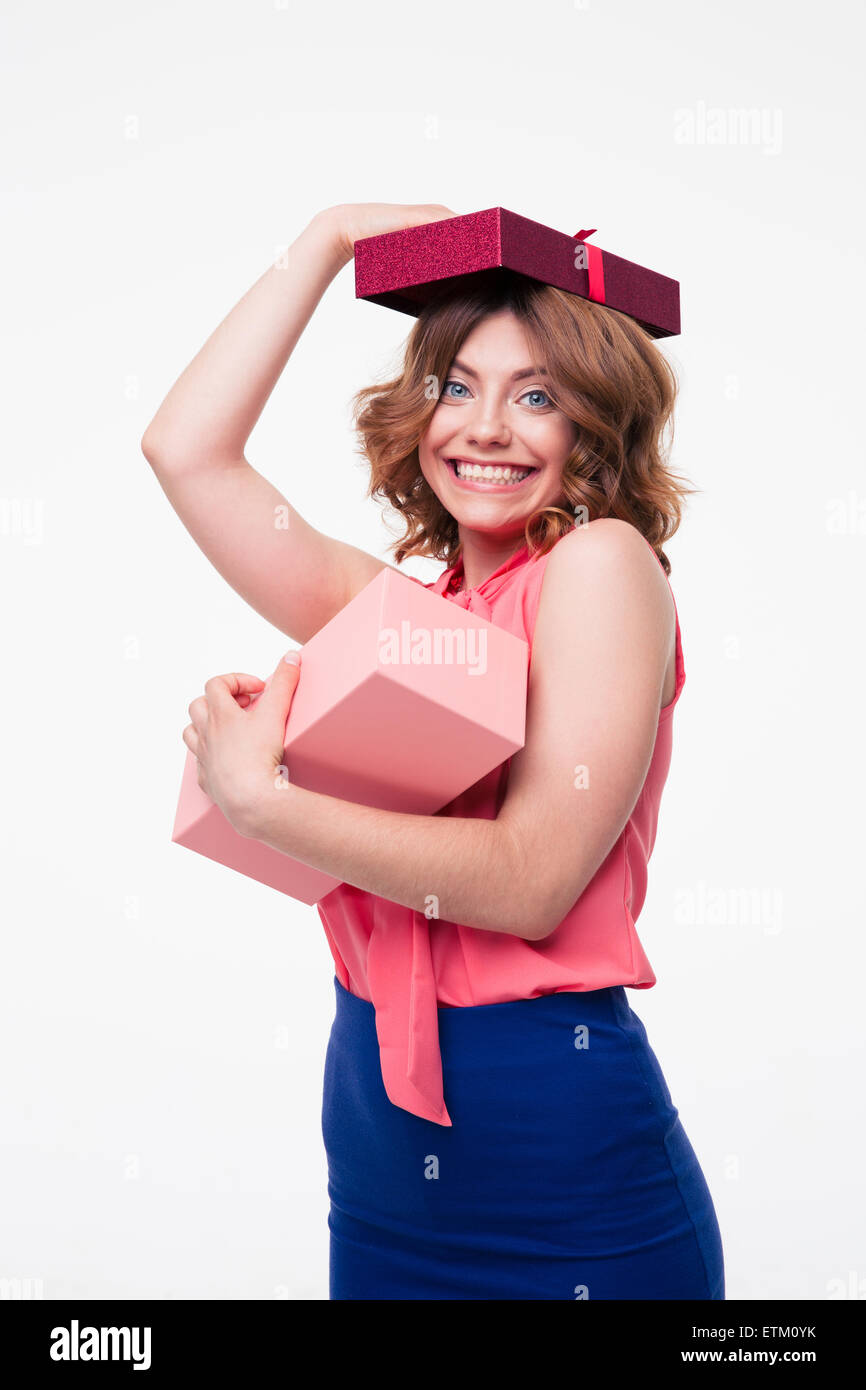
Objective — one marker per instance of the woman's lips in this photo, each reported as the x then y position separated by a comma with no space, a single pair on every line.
480,484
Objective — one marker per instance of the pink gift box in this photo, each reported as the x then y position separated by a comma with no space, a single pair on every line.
404,701
407,268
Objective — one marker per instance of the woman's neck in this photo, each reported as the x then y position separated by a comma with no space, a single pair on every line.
482,556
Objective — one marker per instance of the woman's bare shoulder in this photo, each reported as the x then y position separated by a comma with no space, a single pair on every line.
600,567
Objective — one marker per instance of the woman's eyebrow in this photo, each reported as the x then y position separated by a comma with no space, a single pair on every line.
515,376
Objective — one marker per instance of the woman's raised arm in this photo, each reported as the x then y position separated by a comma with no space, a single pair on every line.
291,573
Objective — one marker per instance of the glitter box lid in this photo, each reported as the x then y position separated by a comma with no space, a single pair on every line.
406,269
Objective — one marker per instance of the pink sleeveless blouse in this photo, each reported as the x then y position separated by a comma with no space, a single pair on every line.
409,966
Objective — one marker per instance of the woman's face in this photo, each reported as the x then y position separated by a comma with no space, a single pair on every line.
496,425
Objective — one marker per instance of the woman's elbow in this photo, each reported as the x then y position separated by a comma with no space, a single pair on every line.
536,891
545,909
531,918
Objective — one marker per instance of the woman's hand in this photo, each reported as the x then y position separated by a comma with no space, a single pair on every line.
238,736
356,220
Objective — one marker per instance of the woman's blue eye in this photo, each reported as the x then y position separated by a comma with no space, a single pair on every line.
536,391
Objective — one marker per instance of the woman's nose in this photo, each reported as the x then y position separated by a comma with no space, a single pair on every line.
488,423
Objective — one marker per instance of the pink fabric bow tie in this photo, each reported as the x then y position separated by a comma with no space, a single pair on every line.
473,601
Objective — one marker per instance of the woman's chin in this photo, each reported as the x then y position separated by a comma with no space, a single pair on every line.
494,511
490,522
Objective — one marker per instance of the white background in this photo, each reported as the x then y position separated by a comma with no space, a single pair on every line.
164,1020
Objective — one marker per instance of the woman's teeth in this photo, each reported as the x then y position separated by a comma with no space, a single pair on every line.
489,473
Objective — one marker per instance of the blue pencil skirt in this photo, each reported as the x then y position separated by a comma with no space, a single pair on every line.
566,1172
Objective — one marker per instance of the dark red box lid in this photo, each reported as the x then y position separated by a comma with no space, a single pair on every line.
405,269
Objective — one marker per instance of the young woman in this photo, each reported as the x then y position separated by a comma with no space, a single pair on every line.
496,1123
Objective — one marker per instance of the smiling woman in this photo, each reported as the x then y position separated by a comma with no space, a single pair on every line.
495,1122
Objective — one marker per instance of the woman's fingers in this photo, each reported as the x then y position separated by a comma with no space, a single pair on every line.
220,689
239,683
197,711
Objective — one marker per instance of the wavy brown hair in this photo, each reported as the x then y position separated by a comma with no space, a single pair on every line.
606,375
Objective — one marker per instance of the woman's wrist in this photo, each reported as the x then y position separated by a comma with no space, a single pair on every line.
263,804
330,224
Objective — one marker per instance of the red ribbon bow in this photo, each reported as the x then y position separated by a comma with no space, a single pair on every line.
594,265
